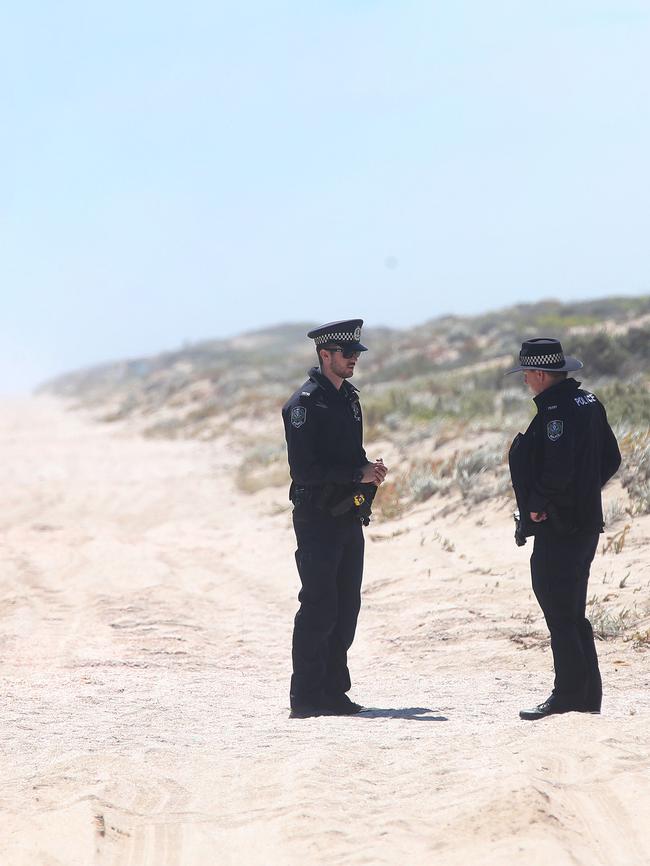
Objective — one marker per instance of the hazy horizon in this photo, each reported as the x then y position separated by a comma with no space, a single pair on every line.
270,325
170,178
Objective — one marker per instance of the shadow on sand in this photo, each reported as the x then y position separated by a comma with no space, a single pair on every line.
417,714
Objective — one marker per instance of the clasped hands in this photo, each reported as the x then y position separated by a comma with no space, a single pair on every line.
374,473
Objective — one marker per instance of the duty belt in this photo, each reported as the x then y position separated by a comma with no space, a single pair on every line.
354,500
325,499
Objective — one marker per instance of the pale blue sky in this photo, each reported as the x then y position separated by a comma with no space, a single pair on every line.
174,172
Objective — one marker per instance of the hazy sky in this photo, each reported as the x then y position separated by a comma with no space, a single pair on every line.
171,172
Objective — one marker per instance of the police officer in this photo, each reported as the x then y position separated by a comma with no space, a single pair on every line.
332,487
558,467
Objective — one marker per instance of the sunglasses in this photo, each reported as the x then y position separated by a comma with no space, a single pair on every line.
347,353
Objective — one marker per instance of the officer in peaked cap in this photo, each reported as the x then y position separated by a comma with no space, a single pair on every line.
332,486
346,333
558,467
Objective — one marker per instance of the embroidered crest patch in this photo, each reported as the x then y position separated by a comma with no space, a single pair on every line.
298,416
554,429
356,411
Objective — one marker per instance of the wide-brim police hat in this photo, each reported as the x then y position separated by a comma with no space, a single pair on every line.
544,353
346,332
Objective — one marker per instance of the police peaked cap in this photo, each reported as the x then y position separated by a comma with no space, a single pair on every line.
346,333
544,353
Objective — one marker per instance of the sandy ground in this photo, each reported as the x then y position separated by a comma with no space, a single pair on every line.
145,620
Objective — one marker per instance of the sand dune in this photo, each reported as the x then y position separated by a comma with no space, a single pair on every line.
146,610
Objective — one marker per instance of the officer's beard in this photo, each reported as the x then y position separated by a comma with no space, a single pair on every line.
343,367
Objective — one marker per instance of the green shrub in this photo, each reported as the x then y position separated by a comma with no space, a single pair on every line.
627,403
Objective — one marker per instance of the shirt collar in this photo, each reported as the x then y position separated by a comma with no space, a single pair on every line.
555,392
346,388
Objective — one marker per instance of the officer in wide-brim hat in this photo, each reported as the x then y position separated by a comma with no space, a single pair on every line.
332,486
546,354
558,467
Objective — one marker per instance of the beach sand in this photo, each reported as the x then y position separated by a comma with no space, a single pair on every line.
146,610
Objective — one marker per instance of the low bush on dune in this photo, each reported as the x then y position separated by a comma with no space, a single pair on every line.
628,402
635,468
606,354
473,476
264,465
436,392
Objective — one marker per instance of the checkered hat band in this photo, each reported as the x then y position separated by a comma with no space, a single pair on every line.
340,336
541,360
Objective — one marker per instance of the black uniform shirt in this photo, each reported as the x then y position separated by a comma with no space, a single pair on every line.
573,453
323,427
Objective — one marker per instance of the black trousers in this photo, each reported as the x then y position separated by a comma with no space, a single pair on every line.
330,564
560,571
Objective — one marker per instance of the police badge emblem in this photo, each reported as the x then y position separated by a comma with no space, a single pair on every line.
298,416
554,430
356,411
357,333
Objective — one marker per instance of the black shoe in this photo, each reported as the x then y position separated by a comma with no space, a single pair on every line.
339,705
553,706
304,711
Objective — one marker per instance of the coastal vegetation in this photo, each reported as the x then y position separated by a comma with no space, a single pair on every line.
436,394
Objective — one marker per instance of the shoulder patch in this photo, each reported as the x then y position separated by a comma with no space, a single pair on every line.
298,416
554,429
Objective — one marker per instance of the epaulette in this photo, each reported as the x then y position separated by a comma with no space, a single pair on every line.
308,389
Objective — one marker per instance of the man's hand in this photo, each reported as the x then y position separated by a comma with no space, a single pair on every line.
381,471
538,516
374,473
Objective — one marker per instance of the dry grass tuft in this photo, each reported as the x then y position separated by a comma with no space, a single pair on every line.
641,639
608,624
617,542
614,511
